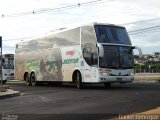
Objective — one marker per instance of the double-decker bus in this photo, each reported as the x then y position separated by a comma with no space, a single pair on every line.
7,67
92,53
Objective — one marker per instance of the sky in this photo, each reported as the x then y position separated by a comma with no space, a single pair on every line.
140,17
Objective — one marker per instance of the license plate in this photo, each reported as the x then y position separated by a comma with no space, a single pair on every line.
119,79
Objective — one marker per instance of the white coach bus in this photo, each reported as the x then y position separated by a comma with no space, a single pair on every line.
93,53
7,67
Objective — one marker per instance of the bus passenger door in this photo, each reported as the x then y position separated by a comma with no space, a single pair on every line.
90,74
91,63
94,72
87,75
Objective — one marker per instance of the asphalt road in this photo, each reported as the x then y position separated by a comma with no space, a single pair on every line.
92,102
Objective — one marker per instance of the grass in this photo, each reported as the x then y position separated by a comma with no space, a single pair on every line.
147,77
15,81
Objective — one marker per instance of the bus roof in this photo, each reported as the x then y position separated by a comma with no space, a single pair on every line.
65,29
97,23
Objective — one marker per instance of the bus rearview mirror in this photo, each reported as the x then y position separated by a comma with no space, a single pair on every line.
101,50
139,50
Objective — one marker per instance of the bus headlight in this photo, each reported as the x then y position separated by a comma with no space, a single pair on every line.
104,73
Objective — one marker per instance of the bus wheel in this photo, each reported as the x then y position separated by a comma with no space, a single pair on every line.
26,78
33,79
107,84
79,83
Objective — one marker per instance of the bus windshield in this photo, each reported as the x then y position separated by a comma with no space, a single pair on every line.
8,63
117,57
112,34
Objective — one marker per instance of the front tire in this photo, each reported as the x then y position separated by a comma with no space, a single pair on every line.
79,83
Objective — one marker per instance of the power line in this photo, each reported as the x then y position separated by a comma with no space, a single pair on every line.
148,20
72,6
144,29
56,9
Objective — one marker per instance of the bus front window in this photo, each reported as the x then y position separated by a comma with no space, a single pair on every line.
126,57
111,57
8,63
112,34
117,57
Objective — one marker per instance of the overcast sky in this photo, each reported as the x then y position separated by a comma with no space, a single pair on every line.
142,15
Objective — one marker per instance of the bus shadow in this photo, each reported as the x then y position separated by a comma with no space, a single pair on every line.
89,86
114,86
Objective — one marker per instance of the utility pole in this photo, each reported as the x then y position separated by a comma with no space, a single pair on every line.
1,58
1,86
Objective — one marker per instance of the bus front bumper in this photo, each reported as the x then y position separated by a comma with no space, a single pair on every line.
116,79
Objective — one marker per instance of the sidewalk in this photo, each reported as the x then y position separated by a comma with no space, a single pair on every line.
153,114
153,111
6,91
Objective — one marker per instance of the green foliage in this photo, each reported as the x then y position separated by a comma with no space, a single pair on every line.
156,66
146,68
138,66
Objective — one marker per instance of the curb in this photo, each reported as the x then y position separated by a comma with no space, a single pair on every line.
15,81
9,93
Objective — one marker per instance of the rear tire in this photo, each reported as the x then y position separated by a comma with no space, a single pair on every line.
26,78
78,80
33,79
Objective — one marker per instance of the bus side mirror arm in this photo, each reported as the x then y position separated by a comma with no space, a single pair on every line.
101,50
139,50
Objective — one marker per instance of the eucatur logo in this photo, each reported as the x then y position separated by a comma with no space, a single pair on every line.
70,53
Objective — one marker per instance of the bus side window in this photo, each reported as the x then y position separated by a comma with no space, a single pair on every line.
90,54
87,55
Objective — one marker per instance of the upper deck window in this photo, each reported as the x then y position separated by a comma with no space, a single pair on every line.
112,34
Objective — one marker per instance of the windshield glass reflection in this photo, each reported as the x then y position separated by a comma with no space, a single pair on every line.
112,34
117,57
